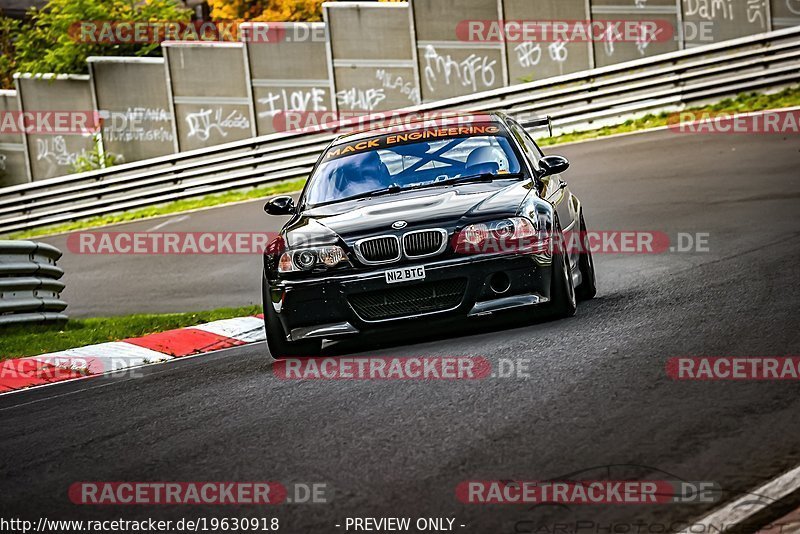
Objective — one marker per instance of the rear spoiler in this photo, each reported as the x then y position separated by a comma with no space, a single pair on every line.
538,123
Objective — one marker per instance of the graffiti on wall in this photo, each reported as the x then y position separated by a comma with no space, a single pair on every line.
53,151
474,72
354,99
395,82
529,54
202,124
138,124
725,10
295,100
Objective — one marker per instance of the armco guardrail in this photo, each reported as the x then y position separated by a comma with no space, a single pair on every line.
29,283
656,83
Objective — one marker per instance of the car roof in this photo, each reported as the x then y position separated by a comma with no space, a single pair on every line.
401,122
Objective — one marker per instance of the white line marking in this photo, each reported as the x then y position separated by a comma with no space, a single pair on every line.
161,225
744,507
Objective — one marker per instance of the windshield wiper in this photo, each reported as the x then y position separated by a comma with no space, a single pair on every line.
483,177
394,188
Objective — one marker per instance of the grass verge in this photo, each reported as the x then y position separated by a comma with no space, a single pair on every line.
743,102
31,340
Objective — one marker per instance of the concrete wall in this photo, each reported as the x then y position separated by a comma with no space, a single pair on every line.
730,18
51,155
210,93
450,64
371,56
610,51
12,151
530,61
288,71
784,13
131,97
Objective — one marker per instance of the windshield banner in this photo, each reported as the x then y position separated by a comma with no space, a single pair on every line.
386,141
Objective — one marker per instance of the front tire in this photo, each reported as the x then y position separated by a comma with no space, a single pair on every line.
563,302
279,347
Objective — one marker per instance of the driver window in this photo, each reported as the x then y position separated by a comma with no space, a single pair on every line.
530,148
533,152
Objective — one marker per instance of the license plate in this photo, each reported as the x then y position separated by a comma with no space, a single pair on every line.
404,275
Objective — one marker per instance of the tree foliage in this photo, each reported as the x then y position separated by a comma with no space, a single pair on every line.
266,10
91,160
8,31
47,41
269,10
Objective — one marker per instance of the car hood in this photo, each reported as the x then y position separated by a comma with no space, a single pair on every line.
444,207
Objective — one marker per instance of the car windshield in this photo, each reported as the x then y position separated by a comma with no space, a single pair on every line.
390,163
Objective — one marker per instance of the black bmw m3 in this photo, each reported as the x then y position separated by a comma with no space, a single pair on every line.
454,218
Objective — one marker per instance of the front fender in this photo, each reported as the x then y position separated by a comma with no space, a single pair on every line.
541,212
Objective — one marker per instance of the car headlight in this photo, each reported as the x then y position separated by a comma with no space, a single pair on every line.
308,259
514,234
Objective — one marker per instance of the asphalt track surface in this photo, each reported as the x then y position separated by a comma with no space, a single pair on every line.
597,395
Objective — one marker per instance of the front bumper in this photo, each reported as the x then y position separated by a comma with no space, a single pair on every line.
324,307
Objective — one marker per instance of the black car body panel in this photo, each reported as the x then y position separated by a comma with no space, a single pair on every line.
420,209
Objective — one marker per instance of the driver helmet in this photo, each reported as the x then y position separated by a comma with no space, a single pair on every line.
489,154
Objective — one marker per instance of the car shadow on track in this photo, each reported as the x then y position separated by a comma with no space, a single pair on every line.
423,332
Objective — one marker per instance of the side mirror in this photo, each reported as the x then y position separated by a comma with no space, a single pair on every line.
553,165
280,206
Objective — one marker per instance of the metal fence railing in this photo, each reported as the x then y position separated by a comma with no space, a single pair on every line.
573,101
30,290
